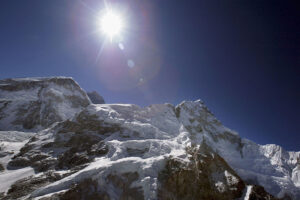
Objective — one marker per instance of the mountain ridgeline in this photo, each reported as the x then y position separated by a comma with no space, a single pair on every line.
58,142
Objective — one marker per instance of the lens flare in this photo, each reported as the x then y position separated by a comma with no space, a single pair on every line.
111,24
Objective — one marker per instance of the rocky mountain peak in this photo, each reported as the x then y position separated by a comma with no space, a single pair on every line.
36,103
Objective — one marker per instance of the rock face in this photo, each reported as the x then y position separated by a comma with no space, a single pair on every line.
205,176
37,103
123,151
95,97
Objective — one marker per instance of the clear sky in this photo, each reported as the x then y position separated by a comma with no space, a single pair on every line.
242,58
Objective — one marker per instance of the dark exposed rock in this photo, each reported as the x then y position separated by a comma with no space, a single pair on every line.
98,149
45,165
89,189
26,185
32,112
123,183
197,178
79,150
177,111
259,193
3,105
69,160
76,143
84,148
95,97
19,162
1,167
25,149
86,122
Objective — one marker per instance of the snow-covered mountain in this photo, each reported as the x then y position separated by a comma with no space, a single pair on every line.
36,103
123,151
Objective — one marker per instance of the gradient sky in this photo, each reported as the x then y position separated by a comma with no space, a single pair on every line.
242,58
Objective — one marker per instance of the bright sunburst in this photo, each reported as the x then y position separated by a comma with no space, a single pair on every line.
111,24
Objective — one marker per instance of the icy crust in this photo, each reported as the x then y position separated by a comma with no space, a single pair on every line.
270,166
36,103
10,144
148,136
296,176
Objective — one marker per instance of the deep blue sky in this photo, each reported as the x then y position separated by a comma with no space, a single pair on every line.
242,58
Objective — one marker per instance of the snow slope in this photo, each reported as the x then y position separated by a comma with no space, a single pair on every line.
10,144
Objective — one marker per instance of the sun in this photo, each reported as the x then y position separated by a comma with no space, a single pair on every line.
111,24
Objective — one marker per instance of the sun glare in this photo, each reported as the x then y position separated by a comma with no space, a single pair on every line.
111,24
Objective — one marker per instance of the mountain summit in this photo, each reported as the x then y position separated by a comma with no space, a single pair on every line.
56,144
37,103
